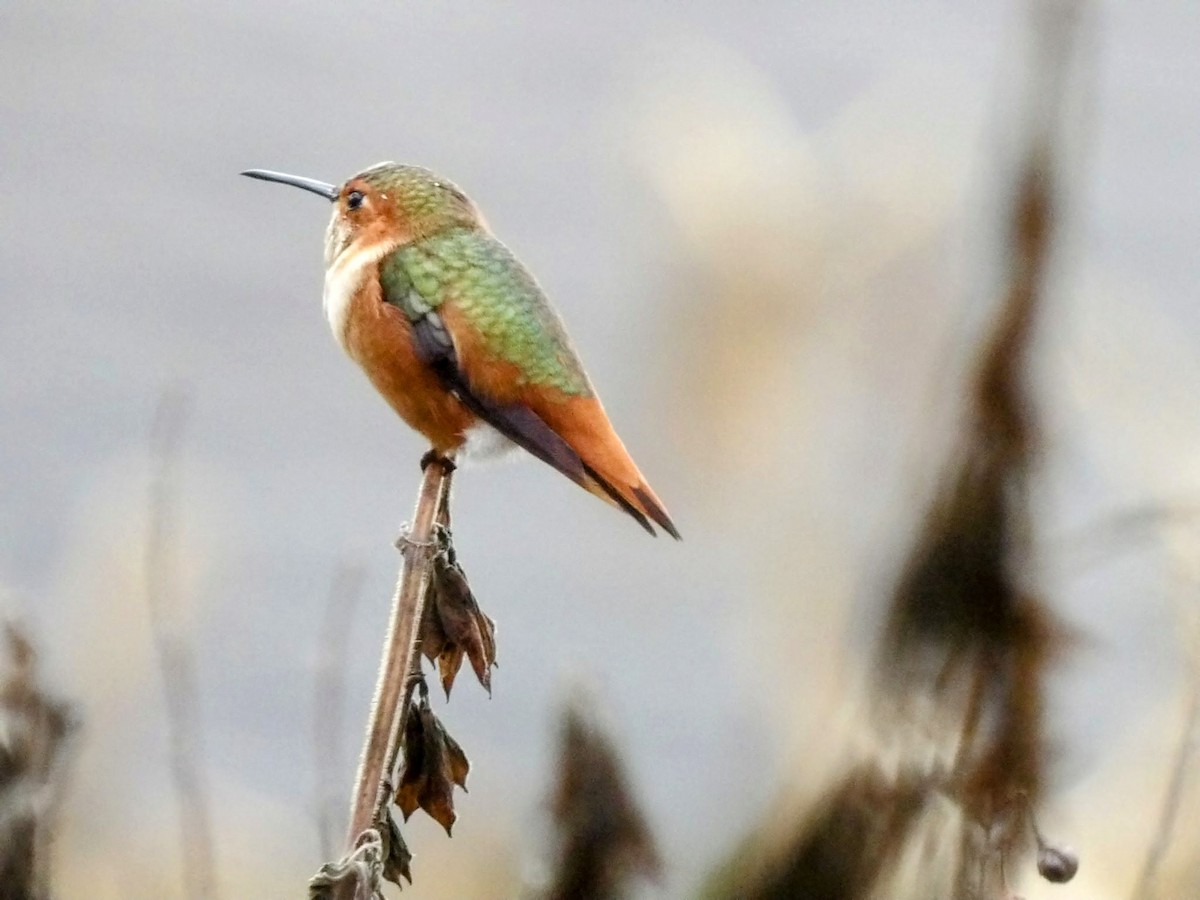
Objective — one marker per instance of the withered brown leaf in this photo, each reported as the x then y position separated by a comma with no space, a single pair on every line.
437,793
433,764
412,778
397,860
449,664
432,637
459,765
454,626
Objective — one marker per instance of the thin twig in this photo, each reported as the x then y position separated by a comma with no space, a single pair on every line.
1189,740
329,693
389,706
174,655
1123,531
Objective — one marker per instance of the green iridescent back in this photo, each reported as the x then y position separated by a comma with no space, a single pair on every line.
495,293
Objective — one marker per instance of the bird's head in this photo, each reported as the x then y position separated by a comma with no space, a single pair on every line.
388,203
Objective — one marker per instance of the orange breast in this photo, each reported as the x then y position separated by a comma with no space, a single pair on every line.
378,337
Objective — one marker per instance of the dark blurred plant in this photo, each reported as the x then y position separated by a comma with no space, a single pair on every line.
35,733
959,688
603,839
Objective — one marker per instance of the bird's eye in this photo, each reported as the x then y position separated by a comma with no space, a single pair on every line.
354,200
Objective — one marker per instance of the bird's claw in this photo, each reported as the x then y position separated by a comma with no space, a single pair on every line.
432,456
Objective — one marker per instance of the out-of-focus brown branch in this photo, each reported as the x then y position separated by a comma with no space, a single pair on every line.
175,658
366,836
35,733
1185,758
329,700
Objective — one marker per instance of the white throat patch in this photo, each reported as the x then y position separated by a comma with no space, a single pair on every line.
343,278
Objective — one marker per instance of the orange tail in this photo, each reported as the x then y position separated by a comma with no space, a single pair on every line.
610,472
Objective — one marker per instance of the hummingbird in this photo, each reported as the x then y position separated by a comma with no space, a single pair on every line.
457,335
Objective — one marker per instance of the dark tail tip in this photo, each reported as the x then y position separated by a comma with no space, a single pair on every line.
656,512
620,500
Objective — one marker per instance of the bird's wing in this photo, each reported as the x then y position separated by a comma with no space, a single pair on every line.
482,323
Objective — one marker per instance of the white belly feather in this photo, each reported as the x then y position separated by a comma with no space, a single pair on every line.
485,444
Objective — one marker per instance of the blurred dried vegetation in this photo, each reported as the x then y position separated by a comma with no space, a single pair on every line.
35,754
603,838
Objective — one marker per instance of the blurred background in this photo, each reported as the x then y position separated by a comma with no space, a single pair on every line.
771,229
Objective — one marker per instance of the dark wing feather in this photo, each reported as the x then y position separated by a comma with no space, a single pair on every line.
520,424
517,422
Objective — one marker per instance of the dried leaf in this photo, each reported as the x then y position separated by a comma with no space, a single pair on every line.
397,860
437,792
412,779
432,637
449,664
461,618
460,766
433,764
454,625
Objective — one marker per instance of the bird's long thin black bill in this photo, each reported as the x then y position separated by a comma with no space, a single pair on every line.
328,191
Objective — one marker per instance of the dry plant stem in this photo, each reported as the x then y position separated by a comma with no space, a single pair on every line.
1185,756
1125,531
441,520
970,725
400,655
174,655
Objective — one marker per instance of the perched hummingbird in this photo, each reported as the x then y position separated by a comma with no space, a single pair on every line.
457,335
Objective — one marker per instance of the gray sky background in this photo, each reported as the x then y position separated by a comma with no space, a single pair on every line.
670,172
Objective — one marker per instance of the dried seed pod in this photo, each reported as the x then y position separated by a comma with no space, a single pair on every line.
1057,865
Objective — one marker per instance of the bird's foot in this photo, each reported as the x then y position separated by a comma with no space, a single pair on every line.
432,456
